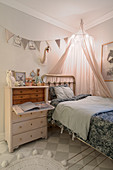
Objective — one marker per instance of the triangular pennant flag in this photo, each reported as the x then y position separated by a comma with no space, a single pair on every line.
38,44
58,42
47,43
32,45
66,39
24,42
17,41
8,35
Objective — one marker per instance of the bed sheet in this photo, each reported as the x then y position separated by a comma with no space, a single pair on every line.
101,128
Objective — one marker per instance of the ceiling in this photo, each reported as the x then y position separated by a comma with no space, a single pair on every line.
65,14
70,12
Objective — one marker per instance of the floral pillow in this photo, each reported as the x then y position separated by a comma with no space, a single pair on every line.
52,94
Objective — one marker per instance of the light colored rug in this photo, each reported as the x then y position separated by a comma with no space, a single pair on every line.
34,162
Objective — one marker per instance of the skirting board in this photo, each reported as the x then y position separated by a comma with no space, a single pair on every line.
2,136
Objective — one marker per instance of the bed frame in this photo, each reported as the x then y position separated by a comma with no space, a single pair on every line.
60,79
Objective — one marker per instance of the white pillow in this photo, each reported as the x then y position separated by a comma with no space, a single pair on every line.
68,92
60,93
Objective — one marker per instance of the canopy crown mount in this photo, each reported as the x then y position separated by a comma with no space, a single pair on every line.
82,25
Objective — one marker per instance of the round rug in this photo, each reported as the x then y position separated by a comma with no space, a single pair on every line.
35,163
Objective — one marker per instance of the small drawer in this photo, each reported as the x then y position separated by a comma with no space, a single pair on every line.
28,91
16,97
36,95
29,125
28,116
29,136
38,90
22,91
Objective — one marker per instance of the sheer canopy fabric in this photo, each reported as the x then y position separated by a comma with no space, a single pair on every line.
79,60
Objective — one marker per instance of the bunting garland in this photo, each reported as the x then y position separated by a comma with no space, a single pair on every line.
58,42
24,42
17,41
37,43
8,35
32,45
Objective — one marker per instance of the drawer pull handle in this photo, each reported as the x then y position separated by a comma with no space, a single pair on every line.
20,91
20,115
31,124
41,121
20,138
20,127
31,136
31,113
41,132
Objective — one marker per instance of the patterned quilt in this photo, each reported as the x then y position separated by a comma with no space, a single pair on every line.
101,128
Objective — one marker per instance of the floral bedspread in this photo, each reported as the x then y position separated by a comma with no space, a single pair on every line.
101,128
101,133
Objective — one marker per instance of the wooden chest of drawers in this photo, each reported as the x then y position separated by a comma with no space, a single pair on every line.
23,95
23,128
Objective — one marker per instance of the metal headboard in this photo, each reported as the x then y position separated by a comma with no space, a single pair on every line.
59,79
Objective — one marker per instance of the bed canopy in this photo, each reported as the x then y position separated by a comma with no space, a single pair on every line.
79,60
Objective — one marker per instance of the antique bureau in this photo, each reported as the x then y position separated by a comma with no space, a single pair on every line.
23,128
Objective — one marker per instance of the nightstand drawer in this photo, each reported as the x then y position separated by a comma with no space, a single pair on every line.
29,125
29,136
28,116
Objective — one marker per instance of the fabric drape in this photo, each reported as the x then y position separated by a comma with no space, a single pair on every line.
79,60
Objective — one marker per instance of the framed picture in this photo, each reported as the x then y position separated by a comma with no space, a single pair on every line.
20,76
107,61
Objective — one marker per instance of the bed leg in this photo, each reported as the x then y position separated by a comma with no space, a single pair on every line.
62,129
52,122
73,136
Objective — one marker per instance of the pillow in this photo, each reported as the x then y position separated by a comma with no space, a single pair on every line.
60,93
52,94
68,92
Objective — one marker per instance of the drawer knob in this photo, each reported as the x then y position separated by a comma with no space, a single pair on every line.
20,91
41,121
41,132
31,113
21,96
20,138
31,124
31,136
20,127
37,95
20,115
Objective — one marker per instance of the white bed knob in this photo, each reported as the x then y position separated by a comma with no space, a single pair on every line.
4,164
35,152
49,154
64,162
20,156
